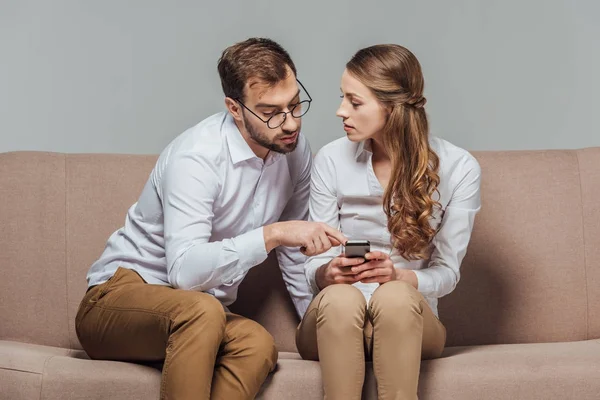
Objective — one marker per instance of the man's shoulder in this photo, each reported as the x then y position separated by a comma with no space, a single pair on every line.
203,140
202,144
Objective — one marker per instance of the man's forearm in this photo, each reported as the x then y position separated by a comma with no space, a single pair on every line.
205,266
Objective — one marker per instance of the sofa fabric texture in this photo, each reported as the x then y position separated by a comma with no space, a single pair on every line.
523,323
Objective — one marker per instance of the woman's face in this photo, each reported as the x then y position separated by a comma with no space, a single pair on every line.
362,114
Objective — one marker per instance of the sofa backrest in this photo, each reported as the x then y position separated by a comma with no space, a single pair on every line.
531,273
532,270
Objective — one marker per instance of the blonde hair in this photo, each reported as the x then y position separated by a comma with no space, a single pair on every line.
394,75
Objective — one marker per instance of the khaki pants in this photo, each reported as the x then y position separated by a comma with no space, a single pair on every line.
207,353
396,331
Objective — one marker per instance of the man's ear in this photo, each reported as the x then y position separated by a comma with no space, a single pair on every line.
234,108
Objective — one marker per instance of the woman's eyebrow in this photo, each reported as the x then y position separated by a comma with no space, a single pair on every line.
350,94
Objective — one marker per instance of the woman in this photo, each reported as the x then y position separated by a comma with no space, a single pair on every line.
414,197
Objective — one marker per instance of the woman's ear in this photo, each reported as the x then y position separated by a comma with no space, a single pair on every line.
388,109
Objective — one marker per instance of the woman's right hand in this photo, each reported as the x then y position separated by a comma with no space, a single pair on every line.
338,270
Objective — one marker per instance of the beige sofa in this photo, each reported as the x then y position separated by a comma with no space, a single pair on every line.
523,323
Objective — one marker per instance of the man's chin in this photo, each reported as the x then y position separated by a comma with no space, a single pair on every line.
285,148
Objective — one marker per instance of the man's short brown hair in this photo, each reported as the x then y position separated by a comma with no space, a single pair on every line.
258,58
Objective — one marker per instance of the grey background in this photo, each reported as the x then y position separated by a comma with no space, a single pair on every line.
128,76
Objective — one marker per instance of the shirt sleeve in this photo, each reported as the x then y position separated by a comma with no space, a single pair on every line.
450,243
190,184
291,260
323,207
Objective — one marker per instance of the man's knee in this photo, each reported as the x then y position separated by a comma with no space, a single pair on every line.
203,309
266,345
258,342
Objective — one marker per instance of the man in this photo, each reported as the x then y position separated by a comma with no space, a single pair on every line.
221,196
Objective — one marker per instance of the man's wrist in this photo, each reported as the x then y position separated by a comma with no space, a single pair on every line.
271,236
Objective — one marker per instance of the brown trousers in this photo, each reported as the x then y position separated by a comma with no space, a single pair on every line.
207,353
396,330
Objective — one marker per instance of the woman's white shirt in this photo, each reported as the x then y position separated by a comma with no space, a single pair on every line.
346,194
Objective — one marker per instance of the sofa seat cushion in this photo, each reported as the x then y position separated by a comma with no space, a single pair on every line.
496,372
29,371
21,368
569,370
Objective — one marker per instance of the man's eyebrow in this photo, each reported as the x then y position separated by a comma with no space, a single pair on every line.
265,105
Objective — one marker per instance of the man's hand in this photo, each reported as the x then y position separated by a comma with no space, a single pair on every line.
338,270
312,237
380,269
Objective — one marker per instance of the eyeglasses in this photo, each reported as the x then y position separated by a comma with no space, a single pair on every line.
278,119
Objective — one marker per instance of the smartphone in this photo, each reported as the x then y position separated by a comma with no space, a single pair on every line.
357,248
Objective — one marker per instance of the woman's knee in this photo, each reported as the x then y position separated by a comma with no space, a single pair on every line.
341,299
395,297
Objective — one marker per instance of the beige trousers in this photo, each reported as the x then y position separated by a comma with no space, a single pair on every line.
396,330
207,353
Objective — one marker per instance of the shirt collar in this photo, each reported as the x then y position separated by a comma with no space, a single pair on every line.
273,157
366,146
363,146
238,148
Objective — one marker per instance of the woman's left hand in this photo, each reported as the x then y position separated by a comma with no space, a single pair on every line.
379,268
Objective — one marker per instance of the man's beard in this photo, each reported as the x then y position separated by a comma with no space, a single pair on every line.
264,141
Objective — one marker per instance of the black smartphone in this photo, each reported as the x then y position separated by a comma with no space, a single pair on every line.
357,248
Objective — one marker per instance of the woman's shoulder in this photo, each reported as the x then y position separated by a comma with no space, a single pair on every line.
453,157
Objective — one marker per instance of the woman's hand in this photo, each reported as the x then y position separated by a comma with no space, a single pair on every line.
338,270
379,268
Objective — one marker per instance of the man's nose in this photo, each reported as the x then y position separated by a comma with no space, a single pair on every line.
291,124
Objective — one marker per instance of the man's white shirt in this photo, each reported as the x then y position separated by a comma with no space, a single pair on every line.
198,223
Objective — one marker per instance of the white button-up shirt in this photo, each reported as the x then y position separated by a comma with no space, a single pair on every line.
198,223
346,194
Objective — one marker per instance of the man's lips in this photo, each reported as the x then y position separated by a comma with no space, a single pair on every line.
290,139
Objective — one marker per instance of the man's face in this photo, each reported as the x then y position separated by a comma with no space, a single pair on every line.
266,101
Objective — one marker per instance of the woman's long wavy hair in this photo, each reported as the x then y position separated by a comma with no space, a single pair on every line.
394,75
